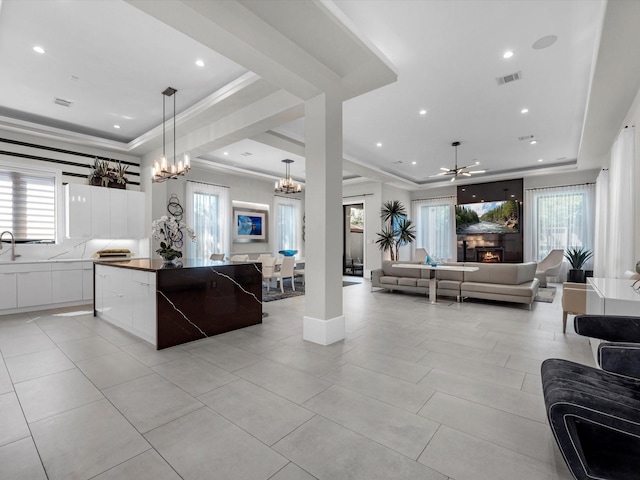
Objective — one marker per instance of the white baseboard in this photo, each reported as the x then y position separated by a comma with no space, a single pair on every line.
323,332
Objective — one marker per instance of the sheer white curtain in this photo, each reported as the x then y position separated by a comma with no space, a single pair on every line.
620,218
435,226
288,221
602,214
557,218
207,212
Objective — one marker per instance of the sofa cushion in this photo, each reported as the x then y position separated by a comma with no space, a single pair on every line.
407,282
522,290
501,273
388,280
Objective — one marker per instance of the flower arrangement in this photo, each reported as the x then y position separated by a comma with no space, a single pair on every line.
170,232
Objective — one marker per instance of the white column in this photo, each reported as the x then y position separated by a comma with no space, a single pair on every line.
323,321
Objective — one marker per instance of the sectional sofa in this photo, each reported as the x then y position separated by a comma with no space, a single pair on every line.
506,282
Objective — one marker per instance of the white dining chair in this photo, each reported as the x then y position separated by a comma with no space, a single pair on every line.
286,271
217,256
240,258
268,270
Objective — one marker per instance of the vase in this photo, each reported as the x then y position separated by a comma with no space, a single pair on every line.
638,266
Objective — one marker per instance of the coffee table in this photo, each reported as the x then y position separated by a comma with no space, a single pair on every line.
433,284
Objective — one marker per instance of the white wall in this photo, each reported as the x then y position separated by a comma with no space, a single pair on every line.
633,118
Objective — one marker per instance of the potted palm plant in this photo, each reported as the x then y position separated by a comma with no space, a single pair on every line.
577,257
397,231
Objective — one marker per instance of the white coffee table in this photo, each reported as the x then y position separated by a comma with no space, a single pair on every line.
433,284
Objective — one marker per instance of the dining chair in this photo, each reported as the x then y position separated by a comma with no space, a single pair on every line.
574,301
299,272
217,256
286,271
268,270
420,255
240,258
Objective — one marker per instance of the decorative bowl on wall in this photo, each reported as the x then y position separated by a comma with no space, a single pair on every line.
288,253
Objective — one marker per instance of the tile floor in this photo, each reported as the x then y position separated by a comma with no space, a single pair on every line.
415,391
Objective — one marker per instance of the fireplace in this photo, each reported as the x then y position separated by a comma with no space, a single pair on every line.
489,254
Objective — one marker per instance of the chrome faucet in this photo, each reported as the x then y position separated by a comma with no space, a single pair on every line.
13,244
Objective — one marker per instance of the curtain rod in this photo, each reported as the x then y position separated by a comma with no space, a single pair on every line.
433,198
207,183
361,195
562,186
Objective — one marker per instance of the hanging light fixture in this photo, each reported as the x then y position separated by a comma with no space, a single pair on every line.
162,170
286,184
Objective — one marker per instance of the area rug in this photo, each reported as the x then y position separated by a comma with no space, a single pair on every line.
546,294
275,293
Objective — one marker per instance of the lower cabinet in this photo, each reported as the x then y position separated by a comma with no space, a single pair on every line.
8,291
66,285
34,288
127,298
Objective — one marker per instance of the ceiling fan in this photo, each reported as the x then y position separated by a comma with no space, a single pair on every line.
456,171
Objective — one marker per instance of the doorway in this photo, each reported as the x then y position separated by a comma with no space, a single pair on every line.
353,240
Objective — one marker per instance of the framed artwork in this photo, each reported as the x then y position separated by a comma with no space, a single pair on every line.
250,225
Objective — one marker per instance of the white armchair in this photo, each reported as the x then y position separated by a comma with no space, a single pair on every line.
574,301
421,255
549,266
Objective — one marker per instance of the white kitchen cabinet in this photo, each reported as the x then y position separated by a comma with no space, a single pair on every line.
87,280
8,291
143,304
135,215
118,212
66,282
100,213
120,296
102,288
34,288
78,210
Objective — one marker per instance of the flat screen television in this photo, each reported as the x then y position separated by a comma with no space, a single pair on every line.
488,217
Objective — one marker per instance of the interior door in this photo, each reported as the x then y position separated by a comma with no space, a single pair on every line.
353,240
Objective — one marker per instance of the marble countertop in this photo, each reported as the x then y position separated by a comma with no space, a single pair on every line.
155,264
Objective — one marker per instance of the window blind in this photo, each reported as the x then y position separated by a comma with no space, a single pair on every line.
28,205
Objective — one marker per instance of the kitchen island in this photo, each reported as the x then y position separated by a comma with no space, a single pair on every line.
168,305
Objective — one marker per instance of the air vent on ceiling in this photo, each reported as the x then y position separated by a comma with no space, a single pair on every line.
246,154
509,78
526,137
62,102
397,162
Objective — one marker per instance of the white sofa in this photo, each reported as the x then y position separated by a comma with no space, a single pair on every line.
507,282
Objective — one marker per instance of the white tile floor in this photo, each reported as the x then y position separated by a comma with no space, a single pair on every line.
415,391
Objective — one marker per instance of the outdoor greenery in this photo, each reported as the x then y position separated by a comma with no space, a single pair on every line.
397,231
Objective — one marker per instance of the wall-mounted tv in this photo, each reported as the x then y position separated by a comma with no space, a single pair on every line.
488,217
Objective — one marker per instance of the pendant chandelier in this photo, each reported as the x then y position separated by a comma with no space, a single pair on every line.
162,170
287,185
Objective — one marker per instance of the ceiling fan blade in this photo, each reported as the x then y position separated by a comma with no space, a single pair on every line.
469,166
445,169
478,171
439,174
453,179
466,174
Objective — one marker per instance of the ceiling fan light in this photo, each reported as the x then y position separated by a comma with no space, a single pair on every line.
478,171
466,174
453,179
444,169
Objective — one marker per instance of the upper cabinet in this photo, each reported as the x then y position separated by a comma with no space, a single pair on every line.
98,212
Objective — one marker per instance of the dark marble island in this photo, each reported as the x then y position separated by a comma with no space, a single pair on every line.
169,305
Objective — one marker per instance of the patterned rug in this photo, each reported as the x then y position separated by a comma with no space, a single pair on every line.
275,293
546,294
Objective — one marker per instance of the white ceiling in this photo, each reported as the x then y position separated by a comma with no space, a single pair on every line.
446,54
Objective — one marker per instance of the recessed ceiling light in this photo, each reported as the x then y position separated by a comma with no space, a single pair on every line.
378,144
226,153
200,63
512,195
116,126
413,163
38,49
473,196
533,142
423,112
524,110
464,189
541,160
507,54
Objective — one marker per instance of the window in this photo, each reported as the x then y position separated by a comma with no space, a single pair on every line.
560,217
435,227
28,204
207,207
288,229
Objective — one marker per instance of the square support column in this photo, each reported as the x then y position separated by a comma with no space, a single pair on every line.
324,319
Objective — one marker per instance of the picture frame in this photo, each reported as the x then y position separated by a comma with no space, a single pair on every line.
250,225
